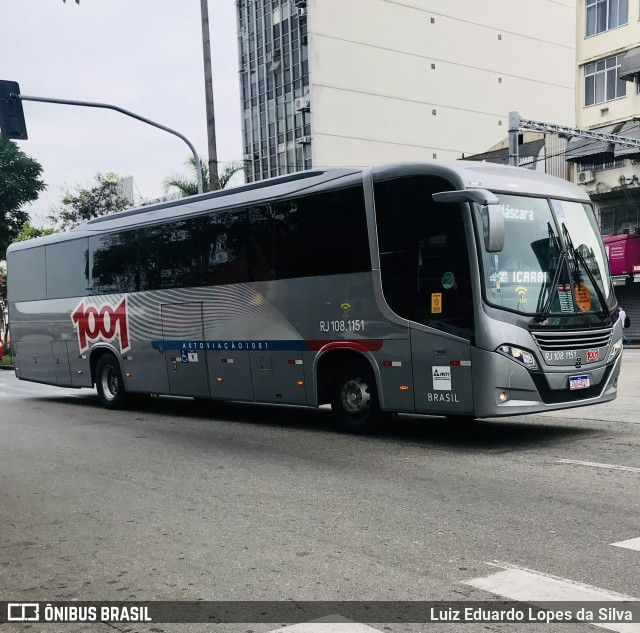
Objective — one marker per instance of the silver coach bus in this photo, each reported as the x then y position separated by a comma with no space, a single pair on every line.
463,289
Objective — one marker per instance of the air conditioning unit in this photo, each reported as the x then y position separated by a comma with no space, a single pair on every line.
304,140
585,177
302,12
302,104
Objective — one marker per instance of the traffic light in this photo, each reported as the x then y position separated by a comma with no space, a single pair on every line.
12,123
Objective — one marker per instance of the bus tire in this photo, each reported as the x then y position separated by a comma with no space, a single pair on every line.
109,383
354,400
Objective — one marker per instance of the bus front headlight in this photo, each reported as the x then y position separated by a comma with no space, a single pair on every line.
615,348
521,356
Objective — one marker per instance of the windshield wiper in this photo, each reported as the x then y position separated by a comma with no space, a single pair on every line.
579,259
553,241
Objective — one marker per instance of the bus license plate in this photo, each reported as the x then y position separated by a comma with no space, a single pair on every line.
578,382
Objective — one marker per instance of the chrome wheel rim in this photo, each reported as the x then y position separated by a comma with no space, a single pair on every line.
110,383
356,396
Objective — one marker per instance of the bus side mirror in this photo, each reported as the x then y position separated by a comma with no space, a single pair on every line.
493,228
492,217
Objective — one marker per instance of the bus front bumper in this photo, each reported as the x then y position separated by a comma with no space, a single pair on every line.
503,387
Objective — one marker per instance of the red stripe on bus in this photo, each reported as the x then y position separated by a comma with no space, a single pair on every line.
362,345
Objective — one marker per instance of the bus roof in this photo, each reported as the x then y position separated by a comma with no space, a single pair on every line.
461,174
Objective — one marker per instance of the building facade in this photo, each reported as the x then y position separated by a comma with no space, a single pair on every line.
329,83
608,101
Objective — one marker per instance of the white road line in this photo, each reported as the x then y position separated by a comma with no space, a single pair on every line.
632,543
526,585
577,462
330,624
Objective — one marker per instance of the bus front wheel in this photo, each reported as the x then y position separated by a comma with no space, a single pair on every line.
109,383
355,400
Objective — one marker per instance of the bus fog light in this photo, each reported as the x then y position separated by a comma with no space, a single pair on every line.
521,356
615,348
503,396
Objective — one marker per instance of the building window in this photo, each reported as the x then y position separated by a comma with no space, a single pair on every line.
601,81
603,15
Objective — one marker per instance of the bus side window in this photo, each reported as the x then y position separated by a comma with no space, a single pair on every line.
114,262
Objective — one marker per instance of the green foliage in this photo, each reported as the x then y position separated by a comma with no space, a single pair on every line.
28,232
82,204
4,305
188,186
19,183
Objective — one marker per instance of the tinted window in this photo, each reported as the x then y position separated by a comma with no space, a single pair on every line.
323,234
226,240
26,275
68,269
169,255
114,263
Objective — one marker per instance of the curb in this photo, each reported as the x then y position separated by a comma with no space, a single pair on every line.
6,366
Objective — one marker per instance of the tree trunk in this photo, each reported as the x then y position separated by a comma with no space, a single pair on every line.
208,88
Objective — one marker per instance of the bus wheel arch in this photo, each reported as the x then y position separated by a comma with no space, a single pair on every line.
347,380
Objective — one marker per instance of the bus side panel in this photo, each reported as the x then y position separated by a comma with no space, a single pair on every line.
278,376
36,361
442,373
396,376
146,366
61,363
230,375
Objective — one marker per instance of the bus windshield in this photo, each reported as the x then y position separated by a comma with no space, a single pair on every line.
553,260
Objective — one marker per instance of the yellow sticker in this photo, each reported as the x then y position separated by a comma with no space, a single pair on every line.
436,302
583,297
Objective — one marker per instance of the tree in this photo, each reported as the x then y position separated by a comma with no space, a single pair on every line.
4,306
102,198
188,186
19,183
28,232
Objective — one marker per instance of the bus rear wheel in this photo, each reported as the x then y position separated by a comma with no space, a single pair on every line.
355,400
109,383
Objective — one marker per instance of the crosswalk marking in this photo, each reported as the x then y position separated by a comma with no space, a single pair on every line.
330,624
632,543
577,462
533,587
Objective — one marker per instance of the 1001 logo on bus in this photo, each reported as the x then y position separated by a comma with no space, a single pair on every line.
104,323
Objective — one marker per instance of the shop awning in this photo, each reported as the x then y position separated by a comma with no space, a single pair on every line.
630,65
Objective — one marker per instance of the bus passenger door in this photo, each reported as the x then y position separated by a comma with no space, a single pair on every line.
185,349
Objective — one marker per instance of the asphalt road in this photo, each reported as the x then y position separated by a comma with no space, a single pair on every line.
239,502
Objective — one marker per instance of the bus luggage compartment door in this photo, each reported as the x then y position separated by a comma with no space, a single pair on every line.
184,349
61,363
441,374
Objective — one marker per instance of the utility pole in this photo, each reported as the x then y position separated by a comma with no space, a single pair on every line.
208,89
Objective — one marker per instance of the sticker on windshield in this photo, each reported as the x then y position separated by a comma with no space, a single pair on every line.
436,302
513,213
448,280
522,295
558,208
583,297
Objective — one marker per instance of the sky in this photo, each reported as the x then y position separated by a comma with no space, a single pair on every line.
141,55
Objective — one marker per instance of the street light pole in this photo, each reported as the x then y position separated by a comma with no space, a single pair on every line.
208,89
